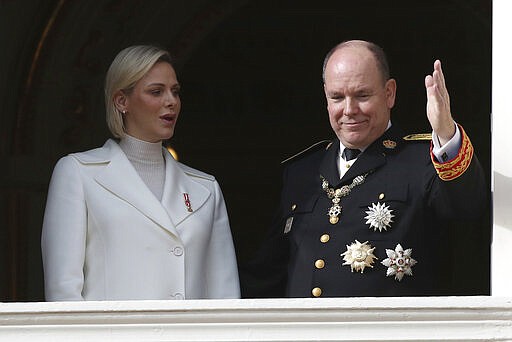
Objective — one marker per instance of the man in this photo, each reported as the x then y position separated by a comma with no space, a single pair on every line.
369,214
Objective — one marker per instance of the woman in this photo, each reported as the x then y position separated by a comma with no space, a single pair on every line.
126,221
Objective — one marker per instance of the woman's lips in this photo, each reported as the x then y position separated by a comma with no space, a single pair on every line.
168,118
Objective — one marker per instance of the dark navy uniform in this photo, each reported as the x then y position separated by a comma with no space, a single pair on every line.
419,197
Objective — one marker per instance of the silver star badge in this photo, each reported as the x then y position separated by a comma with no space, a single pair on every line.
379,216
399,262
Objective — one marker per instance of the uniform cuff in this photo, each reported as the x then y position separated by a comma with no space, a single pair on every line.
453,168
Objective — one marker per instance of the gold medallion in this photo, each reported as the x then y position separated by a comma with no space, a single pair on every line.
359,256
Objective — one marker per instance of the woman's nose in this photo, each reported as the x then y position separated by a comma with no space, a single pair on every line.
170,99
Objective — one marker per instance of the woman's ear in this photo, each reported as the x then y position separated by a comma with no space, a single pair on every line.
120,101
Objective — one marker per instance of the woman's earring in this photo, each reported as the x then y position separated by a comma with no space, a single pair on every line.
123,112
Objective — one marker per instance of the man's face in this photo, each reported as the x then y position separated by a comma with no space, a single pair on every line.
359,101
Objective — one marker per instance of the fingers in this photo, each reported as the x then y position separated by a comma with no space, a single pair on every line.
429,82
438,76
435,83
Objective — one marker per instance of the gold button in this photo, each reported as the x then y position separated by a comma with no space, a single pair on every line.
319,263
294,206
316,292
324,238
381,196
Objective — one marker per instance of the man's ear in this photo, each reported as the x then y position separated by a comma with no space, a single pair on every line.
390,92
121,101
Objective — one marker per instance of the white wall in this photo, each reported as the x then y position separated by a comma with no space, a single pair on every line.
501,269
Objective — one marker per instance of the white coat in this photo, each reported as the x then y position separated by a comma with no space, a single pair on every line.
107,237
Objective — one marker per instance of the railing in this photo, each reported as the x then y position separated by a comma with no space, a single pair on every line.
325,319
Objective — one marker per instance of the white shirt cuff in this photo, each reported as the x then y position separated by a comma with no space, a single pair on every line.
449,150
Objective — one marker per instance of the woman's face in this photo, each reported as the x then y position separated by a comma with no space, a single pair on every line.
153,105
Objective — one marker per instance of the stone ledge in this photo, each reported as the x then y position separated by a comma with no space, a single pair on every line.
326,319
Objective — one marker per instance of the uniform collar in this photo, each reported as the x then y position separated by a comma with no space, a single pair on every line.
373,157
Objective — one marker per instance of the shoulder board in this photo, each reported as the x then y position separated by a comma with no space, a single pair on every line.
418,137
317,146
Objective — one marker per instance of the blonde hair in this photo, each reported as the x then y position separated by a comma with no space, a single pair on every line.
127,68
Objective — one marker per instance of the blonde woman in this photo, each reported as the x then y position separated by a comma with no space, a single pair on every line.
126,221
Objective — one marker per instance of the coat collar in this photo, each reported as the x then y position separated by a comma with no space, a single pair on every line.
120,178
179,183
372,158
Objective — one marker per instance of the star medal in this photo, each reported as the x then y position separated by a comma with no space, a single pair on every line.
359,256
335,196
379,217
399,262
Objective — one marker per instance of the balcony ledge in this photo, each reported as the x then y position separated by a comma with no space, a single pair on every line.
326,319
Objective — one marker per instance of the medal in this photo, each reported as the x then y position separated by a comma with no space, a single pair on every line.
187,202
379,217
399,262
359,256
336,194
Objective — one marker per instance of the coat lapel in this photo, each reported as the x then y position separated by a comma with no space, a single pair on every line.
375,155
328,166
369,160
120,178
177,185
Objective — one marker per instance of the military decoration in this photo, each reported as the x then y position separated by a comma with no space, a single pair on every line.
379,217
359,256
186,198
335,196
399,262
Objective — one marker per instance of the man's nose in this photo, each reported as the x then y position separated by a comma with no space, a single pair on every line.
351,106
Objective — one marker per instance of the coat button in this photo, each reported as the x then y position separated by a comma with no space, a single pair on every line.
294,206
324,238
319,263
381,196
316,292
178,251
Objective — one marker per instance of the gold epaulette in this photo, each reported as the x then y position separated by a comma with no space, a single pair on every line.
324,143
457,166
418,137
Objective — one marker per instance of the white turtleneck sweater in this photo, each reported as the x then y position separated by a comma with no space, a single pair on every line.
148,161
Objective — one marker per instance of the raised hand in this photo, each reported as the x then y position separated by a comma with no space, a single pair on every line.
438,105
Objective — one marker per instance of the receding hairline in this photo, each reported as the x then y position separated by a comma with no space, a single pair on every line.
376,52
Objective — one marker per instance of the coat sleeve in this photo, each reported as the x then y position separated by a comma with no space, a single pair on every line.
64,233
222,269
460,189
